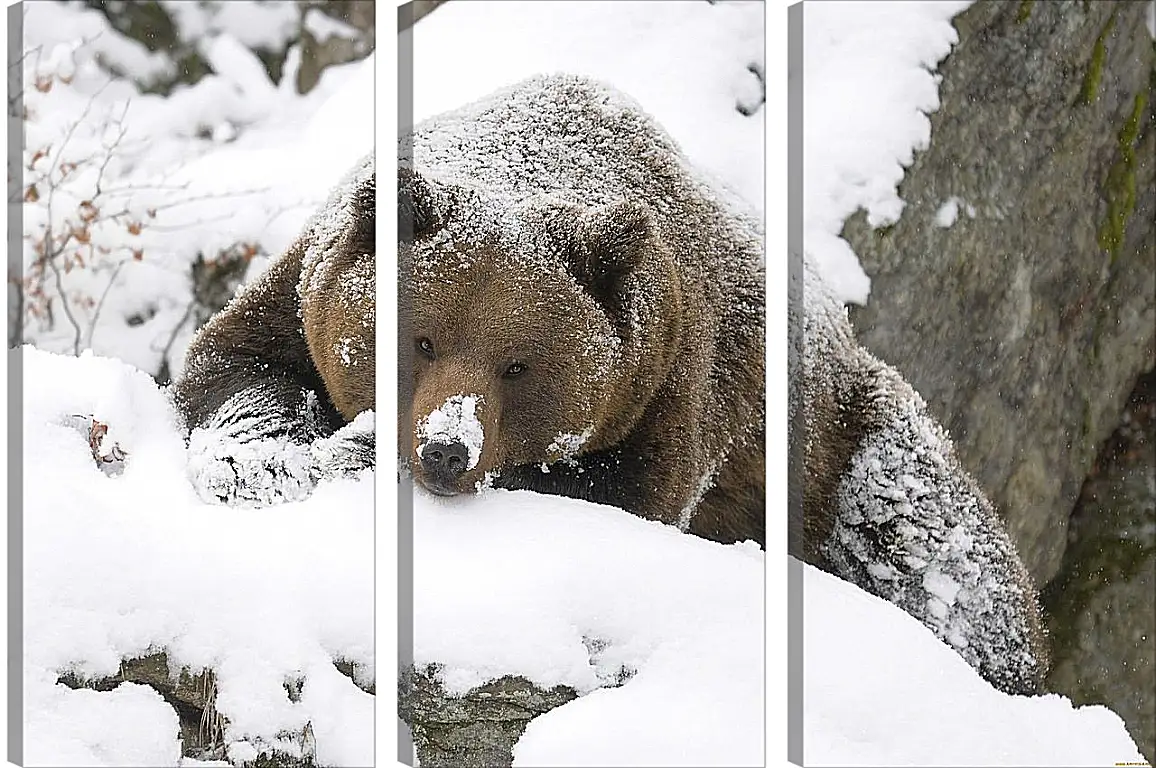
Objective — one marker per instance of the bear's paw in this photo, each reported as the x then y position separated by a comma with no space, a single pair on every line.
347,451
258,473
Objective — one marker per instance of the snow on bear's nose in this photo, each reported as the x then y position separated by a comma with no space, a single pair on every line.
455,428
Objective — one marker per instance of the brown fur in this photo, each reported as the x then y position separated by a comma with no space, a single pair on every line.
678,414
338,314
861,526
281,343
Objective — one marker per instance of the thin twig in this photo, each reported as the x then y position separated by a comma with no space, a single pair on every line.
177,329
103,296
67,309
75,123
110,149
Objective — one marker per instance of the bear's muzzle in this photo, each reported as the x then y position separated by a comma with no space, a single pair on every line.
442,466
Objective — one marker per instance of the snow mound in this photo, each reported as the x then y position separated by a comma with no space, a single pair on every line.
566,592
881,689
129,725
120,567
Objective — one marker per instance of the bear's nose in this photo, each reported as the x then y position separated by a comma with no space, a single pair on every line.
445,461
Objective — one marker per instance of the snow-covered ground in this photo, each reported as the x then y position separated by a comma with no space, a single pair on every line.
118,567
565,592
880,689
554,589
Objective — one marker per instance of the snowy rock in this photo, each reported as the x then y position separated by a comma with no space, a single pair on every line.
333,33
1025,323
478,728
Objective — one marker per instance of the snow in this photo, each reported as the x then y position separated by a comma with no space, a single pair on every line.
583,591
256,23
567,444
130,725
880,689
947,213
868,86
323,26
678,613
117,567
454,421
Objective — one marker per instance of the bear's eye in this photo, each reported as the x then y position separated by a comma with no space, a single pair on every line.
426,346
514,370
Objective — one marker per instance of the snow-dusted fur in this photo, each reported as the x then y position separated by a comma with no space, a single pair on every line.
887,505
274,384
558,227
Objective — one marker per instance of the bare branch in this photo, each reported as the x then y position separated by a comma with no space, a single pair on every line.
103,296
168,347
121,131
67,307
75,123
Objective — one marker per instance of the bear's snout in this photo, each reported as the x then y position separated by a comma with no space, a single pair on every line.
448,442
444,463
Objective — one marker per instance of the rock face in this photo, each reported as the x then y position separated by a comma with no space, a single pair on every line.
1017,293
1103,602
1026,321
202,727
478,729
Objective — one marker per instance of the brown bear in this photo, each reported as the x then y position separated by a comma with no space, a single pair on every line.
879,498
278,387
586,312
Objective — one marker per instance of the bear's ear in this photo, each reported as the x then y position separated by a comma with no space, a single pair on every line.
416,214
615,238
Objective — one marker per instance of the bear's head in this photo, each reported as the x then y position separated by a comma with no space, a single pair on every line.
540,329
337,292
